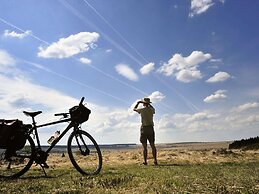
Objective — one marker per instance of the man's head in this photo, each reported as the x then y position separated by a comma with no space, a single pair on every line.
146,101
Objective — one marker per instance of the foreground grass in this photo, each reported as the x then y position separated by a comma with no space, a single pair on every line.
170,176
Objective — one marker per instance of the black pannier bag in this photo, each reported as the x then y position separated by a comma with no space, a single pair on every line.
79,114
12,134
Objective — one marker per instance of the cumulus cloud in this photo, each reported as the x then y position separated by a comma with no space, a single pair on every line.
188,75
19,92
156,96
6,59
118,125
72,45
192,123
219,77
185,69
146,69
7,62
127,72
207,125
14,34
85,60
20,89
201,116
201,6
217,96
248,106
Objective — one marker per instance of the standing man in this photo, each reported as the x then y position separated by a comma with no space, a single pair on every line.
147,128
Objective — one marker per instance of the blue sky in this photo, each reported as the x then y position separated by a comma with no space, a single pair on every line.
197,61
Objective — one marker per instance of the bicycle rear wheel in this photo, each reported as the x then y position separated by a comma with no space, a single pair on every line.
84,153
16,163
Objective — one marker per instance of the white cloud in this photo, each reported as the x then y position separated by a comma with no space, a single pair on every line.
156,96
127,72
19,92
119,125
204,122
219,77
188,75
248,106
19,89
185,69
218,95
14,34
6,59
7,62
85,60
216,60
72,45
146,69
197,57
201,6
207,126
108,51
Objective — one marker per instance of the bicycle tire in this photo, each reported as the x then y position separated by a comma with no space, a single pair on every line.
19,162
79,142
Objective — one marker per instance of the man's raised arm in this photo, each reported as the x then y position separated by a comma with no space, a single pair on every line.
136,106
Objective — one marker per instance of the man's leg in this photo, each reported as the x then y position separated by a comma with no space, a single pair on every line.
154,152
144,145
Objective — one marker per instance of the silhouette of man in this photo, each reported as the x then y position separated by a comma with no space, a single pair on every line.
147,128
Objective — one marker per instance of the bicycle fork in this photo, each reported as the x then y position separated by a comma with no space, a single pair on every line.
83,152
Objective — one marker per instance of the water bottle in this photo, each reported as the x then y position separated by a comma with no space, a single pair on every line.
53,137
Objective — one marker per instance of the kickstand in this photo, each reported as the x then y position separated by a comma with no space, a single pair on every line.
43,166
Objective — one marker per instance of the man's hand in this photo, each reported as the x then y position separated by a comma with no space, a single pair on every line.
136,106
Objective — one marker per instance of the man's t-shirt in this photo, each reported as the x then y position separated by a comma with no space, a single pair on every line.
146,115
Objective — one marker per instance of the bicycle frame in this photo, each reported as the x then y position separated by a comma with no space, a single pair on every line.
15,164
35,130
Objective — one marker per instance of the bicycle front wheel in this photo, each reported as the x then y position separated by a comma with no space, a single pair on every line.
84,153
15,163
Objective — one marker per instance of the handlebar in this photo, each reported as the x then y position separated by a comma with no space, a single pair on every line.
82,100
65,115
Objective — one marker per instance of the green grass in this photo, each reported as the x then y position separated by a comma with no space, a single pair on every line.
133,178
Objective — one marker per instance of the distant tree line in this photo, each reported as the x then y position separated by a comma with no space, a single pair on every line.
252,142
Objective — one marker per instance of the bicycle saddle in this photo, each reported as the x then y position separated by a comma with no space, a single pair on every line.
32,114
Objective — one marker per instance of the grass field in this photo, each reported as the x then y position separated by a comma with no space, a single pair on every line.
183,168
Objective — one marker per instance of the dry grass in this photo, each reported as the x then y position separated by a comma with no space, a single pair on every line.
175,154
183,168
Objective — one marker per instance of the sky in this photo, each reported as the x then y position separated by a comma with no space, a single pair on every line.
197,60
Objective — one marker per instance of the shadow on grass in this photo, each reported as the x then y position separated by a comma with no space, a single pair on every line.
39,175
166,165
30,177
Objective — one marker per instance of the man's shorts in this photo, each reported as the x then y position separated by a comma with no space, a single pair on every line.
147,133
